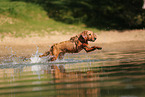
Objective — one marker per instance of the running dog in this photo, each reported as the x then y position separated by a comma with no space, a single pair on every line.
74,45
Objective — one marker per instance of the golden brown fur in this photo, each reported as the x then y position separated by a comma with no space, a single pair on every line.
74,45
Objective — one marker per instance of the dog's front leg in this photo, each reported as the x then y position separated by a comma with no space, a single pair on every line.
87,48
98,47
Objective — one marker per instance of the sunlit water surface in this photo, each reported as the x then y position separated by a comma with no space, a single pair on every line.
96,74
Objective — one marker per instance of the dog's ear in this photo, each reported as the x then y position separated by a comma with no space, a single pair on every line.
84,35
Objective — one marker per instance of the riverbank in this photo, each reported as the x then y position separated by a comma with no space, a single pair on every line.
109,40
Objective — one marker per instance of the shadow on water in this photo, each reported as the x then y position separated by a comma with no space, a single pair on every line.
107,74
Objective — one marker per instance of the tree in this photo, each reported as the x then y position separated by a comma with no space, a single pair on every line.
103,14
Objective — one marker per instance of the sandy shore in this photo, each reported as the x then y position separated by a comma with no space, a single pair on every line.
109,40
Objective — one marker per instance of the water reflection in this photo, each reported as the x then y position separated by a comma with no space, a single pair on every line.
116,74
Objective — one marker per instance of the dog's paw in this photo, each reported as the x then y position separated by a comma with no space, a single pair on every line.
40,56
99,48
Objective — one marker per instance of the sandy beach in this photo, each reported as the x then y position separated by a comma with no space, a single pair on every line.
110,41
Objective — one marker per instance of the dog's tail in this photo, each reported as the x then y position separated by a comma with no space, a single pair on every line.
45,54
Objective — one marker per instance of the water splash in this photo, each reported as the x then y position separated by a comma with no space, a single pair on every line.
14,60
35,58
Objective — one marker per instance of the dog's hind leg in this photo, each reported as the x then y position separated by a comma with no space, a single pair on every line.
54,53
45,54
54,57
61,56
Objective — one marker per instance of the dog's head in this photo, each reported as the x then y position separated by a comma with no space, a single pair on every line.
88,36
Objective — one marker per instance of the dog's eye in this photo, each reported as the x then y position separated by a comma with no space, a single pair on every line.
89,34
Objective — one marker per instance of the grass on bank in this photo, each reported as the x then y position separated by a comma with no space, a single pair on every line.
22,19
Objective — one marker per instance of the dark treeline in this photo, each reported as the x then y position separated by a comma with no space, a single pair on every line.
102,14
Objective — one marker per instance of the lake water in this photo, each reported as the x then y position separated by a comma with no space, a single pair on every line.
95,74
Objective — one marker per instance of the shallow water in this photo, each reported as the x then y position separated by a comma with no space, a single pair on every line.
96,74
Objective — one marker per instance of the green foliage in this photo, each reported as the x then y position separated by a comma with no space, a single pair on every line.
104,14
22,10
20,19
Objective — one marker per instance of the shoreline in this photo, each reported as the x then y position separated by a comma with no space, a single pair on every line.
102,37
109,40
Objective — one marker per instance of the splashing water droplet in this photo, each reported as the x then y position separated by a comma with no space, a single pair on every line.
35,58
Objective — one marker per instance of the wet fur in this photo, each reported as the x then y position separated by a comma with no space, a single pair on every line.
74,45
